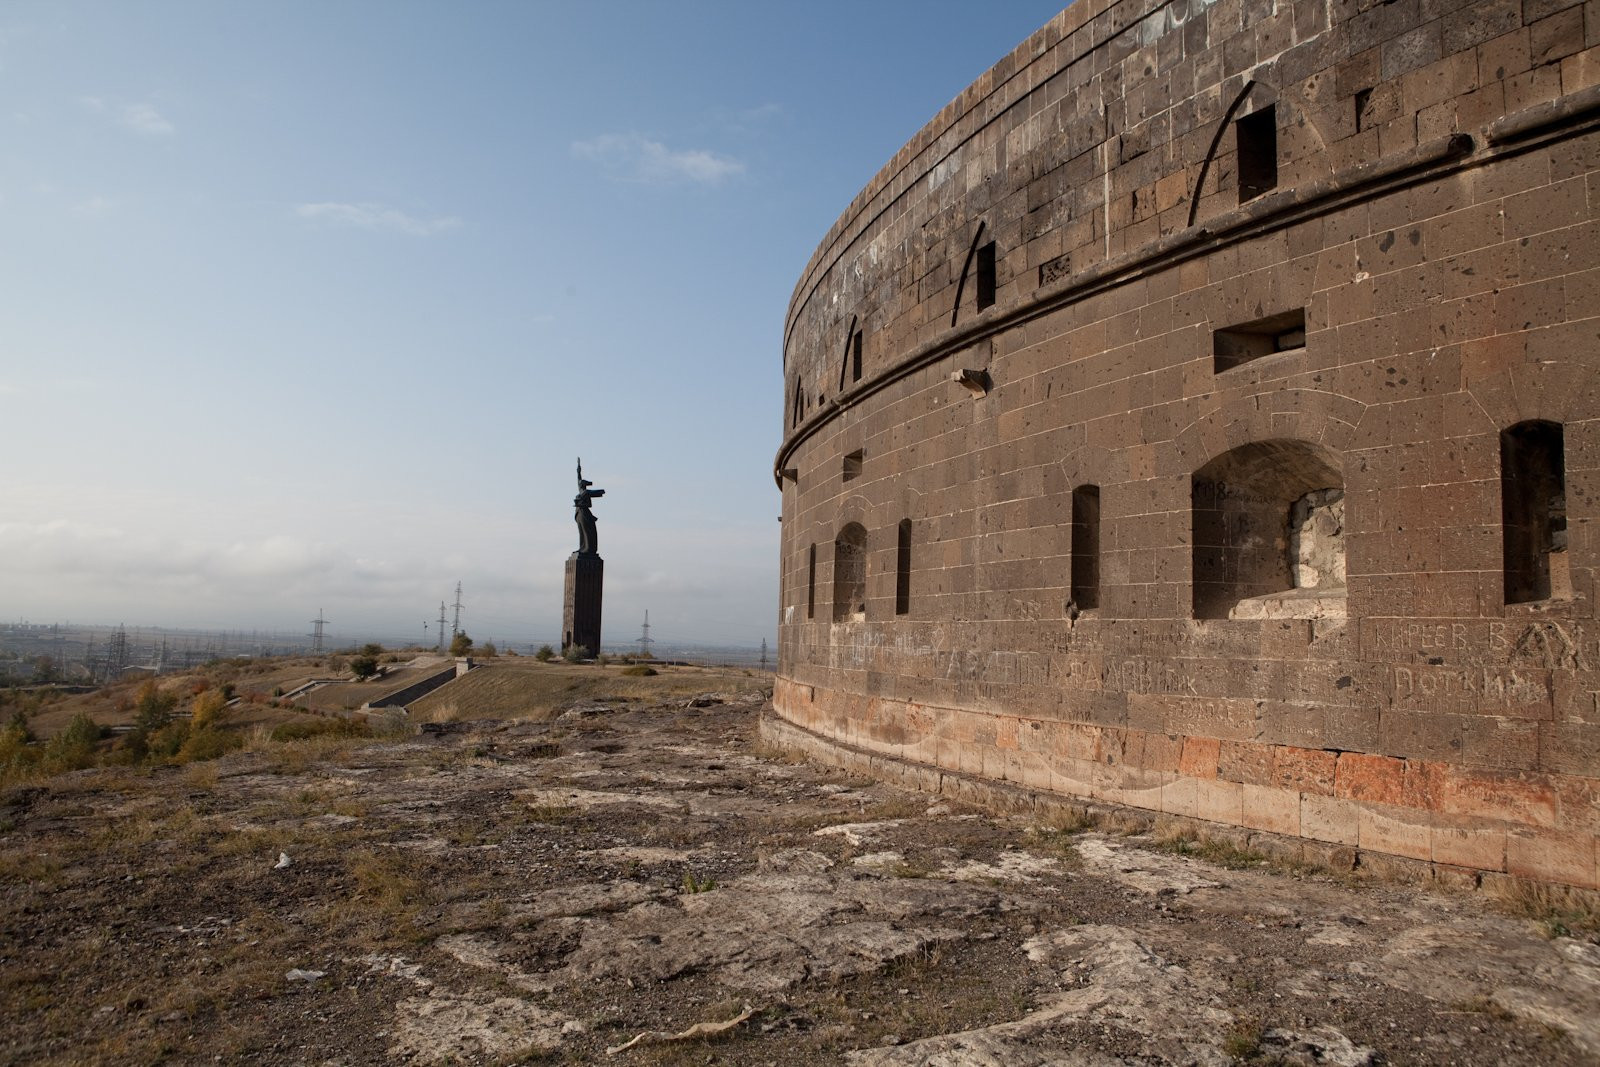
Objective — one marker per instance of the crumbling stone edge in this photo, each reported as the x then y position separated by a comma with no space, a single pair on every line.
1010,799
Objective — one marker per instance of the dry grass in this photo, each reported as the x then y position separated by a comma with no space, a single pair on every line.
1559,911
1184,841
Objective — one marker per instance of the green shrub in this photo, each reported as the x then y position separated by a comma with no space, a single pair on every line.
207,744
575,653
73,748
639,670
545,654
165,743
152,709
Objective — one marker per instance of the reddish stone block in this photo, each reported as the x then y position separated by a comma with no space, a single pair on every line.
1200,757
1305,770
1529,801
1162,752
1370,779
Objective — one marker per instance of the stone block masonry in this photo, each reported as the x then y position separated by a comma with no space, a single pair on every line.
1202,414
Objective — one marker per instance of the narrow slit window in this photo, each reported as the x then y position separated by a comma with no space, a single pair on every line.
1086,546
986,278
852,465
1256,138
902,570
811,583
1363,101
1533,508
1240,344
855,356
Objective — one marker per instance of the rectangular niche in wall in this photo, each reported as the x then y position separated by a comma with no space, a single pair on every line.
811,583
1256,138
986,276
1533,512
1240,344
852,465
1086,547
902,569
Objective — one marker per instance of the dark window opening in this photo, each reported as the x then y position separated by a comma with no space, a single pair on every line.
811,583
850,572
1256,138
986,278
1268,533
902,570
1240,344
852,465
1086,546
799,403
1363,101
1533,511
855,356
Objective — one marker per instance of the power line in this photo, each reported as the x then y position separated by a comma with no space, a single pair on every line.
316,634
644,638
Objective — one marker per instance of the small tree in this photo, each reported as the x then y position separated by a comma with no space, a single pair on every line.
545,654
574,653
209,709
372,649
461,644
152,709
363,666
488,650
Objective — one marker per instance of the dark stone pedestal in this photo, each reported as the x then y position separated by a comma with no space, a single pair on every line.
580,612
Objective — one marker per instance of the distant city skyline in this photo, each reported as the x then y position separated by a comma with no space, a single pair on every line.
314,306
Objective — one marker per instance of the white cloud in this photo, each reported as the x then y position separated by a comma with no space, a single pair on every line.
369,216
136,118
142,118
634,158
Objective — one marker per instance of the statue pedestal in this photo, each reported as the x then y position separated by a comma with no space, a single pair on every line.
580,611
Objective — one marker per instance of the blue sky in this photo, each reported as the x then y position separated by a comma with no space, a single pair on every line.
313,305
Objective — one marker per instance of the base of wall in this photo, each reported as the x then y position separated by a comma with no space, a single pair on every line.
1450,847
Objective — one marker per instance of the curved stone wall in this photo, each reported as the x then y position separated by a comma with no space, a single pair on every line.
1202,414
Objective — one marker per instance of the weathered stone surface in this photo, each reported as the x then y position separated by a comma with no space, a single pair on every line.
1286,433
766,932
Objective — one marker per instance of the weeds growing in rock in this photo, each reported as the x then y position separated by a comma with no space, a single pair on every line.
693,883
1558,911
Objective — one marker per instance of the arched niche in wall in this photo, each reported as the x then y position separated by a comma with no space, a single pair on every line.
850,573
1268,533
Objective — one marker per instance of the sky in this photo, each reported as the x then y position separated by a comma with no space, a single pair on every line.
312,307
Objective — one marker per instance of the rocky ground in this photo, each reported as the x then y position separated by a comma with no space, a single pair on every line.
591,889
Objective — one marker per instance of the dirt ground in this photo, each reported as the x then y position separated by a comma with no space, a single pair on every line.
521,892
